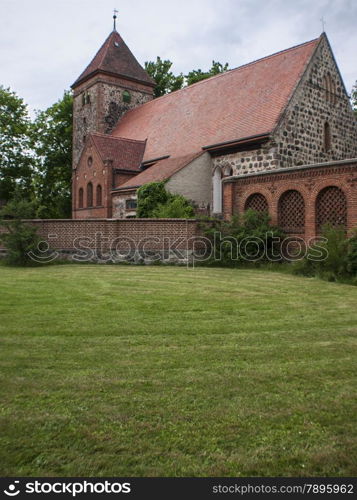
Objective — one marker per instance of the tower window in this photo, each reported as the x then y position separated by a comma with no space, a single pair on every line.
88,99
90,161
327,137
126,96
83,99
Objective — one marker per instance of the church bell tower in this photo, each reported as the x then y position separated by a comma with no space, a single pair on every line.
113,83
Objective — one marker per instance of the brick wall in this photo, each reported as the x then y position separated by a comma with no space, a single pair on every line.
151,234
91,169
309,182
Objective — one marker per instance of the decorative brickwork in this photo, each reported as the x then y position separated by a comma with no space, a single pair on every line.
313,194
291,212
256,202
331,207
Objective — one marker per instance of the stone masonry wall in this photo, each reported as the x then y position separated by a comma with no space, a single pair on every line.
299,137
98,105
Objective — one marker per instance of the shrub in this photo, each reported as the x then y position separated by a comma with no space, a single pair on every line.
250,239
155,201
339,256
19,238
176,207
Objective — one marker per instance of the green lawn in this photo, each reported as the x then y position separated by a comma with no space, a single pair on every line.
164,371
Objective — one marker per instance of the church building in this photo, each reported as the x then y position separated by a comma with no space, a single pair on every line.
277,135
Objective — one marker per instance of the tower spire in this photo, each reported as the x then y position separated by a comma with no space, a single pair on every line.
115,19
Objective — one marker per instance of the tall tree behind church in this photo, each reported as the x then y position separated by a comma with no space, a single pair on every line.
16,161
52,144
167,81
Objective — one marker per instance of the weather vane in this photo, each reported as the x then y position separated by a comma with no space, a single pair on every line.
323,24
115,19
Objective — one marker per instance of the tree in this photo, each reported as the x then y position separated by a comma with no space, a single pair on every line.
16,162
150,195
165,80
52,144
195,76
354,98
19,238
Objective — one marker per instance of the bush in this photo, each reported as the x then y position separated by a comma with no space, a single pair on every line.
250,239
155,201
19,238
176,207
339,256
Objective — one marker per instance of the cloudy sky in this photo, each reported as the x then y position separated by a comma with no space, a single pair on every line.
45,44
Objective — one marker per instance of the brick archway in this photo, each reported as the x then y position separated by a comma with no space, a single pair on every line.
331,207
291,212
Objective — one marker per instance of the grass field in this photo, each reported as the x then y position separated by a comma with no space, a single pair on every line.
163,371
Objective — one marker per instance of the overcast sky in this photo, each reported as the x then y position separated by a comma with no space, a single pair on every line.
46,44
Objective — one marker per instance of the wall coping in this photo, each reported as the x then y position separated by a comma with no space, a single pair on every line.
190,221
291,169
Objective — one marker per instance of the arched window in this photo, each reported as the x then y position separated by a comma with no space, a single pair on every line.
327,137
80,198
330,88
291,212
89,194
99,195
331,207
257,202
217,191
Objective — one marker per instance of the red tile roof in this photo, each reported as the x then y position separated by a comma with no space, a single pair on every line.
240,103
115,57
126,154
160,171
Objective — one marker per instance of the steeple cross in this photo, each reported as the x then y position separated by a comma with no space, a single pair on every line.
115,12
323,24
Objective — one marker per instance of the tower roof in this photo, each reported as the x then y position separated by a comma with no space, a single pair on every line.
115,58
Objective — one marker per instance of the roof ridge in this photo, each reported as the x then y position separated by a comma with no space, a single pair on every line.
106,43
274,54
220,75
109,136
